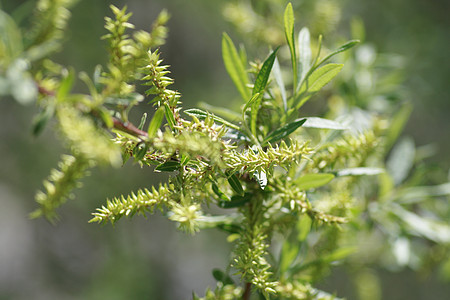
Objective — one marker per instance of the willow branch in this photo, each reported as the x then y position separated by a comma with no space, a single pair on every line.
117,124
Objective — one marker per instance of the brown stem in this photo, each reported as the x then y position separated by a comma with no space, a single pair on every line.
247,292
128,128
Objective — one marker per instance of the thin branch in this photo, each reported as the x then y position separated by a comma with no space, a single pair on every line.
117,124
247,292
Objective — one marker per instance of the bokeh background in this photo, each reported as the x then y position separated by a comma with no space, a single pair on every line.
149,258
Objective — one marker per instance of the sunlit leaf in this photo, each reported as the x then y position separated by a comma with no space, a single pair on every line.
359,171
311,181
316,81
234,66
156,122
314,122
305,53
289,33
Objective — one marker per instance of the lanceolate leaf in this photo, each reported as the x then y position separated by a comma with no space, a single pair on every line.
289,32
284,131
263,75
169,116
317,80
311,181
342,48
304,46
156,122
235,184
260,85
235,67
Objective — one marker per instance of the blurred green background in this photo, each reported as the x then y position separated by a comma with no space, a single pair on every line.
149,258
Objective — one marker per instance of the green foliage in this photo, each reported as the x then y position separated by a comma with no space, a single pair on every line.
310,186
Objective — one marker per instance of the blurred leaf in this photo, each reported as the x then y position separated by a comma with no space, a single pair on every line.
200,114
40,121
235,183
421,193
168,166
284,131
397,124
316,81
401,160
234,66
221,276
303,227
289,252
276,72
436,231
314,122
65,85
156,122
10,39
359,171
139,151
311,181
305,53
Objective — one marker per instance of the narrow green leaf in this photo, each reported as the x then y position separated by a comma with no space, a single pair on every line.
234,66
260,85
305,53
156,122
168,166
289,32
316,81
342,48
311,181
219,193
200,114
235,184
142,122
263,75
314,122
226,113
169,116
284,131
